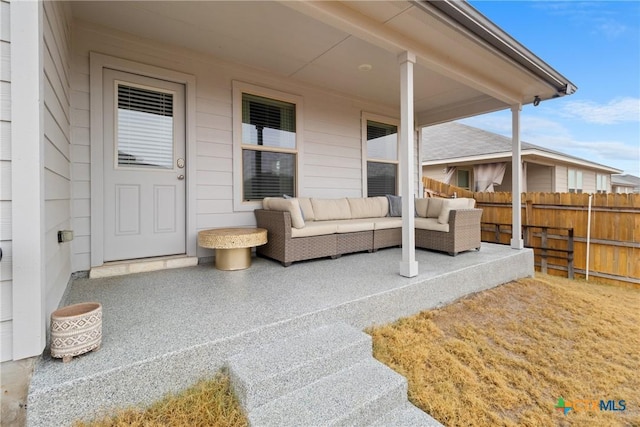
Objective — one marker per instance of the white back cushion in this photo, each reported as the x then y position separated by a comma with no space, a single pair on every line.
369,207
434,207
328,209
448,205
287,205
422,206
307,208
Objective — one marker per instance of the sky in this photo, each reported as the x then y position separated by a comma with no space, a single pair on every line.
596,45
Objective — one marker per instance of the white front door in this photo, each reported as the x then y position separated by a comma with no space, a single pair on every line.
144,166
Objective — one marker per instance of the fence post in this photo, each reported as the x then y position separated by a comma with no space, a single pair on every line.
528,218
543,251
570,254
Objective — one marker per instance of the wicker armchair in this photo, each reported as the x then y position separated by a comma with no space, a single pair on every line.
463,235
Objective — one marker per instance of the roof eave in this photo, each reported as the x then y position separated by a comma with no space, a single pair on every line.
466,16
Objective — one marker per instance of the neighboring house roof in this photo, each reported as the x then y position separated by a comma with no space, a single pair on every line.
459,143
626,181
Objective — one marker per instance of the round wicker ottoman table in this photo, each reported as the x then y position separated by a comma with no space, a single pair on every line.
232,245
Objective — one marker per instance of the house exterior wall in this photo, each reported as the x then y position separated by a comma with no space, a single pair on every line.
562,179
55,164
57,149
507,183
589,184
6,266
331,145
589,181
434,172
539,178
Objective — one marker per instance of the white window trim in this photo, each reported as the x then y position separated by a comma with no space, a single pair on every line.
97,63
239,205
366,117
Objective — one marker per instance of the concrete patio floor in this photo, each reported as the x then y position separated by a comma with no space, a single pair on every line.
164,330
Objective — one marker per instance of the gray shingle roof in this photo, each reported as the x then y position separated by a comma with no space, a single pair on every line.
627,180
452,140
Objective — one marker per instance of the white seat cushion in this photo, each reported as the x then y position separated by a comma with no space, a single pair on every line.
387,223
354,225
431,224
315,228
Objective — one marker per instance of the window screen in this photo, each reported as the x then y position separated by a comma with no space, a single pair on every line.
144,128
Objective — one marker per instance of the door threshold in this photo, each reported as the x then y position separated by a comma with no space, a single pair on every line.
119,268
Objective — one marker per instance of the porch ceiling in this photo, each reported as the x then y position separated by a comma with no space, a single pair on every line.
323,44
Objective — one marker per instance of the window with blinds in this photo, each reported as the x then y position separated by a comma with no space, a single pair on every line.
382,158
144,127
269,149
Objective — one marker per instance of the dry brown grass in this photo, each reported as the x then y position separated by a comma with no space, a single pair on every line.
207,403
504,356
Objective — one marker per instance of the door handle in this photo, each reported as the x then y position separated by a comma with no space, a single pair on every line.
180,177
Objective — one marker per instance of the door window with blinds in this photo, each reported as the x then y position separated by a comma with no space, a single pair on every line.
144,127
269,147
382,158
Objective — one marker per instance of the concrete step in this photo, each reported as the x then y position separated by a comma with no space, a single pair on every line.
266,372
406,415
358,395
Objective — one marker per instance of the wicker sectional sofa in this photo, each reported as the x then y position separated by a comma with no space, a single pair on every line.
307,228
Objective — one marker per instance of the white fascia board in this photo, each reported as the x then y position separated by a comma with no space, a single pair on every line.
553,158
558,157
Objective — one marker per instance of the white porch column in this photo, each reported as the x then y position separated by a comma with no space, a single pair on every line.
27,206
516,180
408,265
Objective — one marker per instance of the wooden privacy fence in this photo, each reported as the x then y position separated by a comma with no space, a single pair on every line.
614,246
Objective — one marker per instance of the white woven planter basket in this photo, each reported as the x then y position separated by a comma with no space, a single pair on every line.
76,329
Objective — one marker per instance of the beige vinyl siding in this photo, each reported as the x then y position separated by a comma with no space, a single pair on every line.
588,181
80,163
330,149
434,172
507,180
562,183
57,155
539,178
6,266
